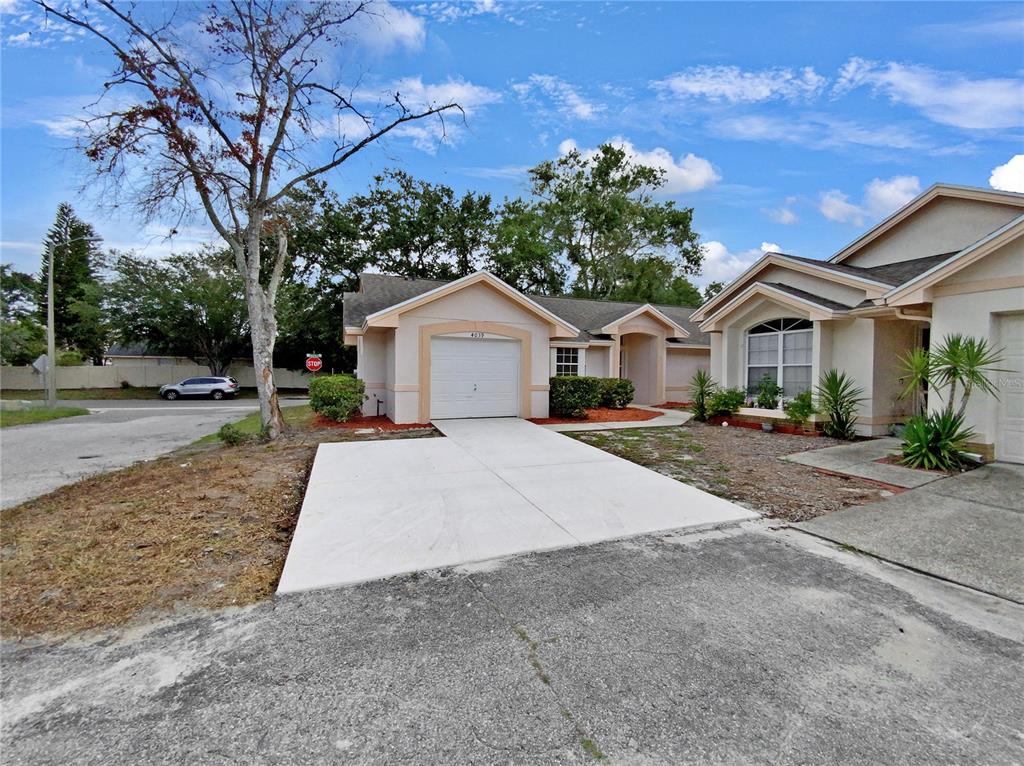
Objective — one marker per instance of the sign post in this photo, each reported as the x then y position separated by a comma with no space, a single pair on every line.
314,363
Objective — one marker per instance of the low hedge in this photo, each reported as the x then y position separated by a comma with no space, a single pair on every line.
571,396
726,401
337,397
616,393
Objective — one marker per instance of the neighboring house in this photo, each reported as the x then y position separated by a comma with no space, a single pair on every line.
950,261
476,347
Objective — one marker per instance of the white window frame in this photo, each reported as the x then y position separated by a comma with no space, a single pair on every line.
780,364
576,363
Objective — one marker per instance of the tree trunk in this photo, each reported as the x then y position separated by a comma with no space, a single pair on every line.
263,332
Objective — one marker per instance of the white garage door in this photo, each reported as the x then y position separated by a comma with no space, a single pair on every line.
1010,444
474,377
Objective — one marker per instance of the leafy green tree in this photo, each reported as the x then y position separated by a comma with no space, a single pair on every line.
601,217
18,293
655,279
77,291
22,340
186,305
520,253
417,229
711,289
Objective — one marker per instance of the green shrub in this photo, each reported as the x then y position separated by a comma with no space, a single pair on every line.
231,434
726,401
767,392
572,395
70,358
616,393
838,398
935,442
800,408
337,397
701,389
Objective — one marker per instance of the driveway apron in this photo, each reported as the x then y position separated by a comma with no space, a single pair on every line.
491,488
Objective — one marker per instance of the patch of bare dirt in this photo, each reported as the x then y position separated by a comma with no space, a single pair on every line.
203,527
741,465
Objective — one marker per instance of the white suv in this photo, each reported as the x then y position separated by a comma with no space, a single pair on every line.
215,388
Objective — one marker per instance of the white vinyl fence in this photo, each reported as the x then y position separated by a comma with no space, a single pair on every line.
111,375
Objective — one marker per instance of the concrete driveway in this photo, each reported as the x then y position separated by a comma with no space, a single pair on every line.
968,528
36,459
491,488
726,647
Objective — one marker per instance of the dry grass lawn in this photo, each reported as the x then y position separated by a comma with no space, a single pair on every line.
207,526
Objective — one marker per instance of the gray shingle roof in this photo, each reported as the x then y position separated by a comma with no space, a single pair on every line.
798,293
379,291
891,274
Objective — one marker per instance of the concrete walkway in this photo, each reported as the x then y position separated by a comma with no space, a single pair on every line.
667,418
492,488
859,459
967,528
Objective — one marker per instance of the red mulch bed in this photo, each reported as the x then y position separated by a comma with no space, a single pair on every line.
380,422
895,460
782,428
668,405
602,415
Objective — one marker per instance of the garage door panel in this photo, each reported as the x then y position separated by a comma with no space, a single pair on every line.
1010,439
474,377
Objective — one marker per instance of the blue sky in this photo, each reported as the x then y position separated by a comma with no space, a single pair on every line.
783,125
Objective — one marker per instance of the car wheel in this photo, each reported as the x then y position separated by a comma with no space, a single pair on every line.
171,396
218,395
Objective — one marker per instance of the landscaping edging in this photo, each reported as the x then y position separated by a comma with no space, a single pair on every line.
755,422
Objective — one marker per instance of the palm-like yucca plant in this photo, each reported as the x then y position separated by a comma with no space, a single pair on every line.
838,398
917,368
701,387
965,362
935,442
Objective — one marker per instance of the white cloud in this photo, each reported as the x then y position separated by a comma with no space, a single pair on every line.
784,213
735,86
722,265
429,133
386,28
687,174
949,98
818,131
446,12
566,99
881,197
1009,177
836,206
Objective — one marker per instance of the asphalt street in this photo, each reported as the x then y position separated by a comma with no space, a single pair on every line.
39,458
740,646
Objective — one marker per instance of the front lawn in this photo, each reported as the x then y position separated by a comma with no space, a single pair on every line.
741,465
206,526
31,415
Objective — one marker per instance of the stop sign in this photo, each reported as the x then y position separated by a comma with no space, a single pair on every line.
314,363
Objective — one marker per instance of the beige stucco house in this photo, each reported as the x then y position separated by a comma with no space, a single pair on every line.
477,347
950,261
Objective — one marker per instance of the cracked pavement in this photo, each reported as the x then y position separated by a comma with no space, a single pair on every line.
728,646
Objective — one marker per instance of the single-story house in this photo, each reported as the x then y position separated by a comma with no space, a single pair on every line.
477,347
950,261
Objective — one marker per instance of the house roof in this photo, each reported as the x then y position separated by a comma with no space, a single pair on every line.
932,192
379,291
810,297
891,274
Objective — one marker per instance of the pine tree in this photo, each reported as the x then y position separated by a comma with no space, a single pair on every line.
77,292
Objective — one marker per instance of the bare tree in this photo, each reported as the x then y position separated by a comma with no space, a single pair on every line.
222,113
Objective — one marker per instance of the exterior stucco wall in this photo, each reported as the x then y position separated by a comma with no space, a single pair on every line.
373,360
853,352
641,365
680,367
976,315
597,362
1006,262
944,225
475,303
893,340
